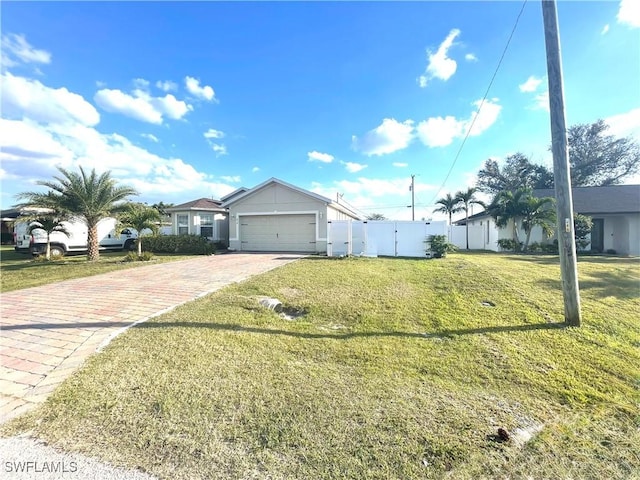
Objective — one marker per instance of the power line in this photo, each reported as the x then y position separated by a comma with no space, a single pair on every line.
475,117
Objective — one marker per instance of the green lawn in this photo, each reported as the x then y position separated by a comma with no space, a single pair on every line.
397,370
21,270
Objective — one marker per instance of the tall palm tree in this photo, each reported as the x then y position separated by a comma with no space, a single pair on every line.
88,196
538,212
448,205
467,198
141,217
49,223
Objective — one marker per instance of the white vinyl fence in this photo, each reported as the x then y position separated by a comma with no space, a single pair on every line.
481,237
381,237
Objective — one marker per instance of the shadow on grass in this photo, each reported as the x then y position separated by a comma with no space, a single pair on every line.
604,284
334,336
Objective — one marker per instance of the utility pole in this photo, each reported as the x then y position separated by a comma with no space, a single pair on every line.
561,177
413,198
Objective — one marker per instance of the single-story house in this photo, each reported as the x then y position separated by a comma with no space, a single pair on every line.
276,216
205,217
615,211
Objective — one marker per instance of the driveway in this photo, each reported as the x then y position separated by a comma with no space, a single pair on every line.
46,333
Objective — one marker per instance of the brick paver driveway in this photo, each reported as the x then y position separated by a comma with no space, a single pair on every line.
47,332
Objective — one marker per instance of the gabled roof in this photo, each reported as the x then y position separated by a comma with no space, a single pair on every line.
235,198
612,199
201,204
229,196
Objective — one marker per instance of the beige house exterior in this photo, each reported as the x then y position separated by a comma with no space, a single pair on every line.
276,216
204,217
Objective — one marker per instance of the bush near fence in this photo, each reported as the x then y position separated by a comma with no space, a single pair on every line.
190,244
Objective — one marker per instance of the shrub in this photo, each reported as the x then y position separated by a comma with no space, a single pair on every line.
550,247
134,257
582,225
190,244
439,246
535,247
508,244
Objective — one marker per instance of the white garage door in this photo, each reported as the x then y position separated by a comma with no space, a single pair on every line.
278,233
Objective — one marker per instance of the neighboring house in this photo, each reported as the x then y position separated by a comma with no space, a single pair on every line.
615,211
276,216
204,217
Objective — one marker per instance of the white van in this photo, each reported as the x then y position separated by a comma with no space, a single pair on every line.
76,241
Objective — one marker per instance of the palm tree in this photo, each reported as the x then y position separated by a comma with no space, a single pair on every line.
90,197
507,206
141,217
538,211
50,224
448,205
467,198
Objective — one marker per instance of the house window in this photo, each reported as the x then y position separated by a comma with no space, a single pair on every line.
183,224
206,226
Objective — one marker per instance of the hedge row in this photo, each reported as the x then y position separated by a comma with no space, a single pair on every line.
191,244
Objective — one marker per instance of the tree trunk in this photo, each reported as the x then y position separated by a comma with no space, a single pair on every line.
139,245
48,251
516,246
466,224
526,241
93,248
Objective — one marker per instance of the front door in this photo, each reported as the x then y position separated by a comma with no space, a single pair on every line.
597,235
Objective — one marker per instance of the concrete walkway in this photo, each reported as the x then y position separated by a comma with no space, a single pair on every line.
46,333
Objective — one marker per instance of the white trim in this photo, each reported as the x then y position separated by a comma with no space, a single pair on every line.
279,182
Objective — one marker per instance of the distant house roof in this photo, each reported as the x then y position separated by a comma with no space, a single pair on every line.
601,200
201,204
612,199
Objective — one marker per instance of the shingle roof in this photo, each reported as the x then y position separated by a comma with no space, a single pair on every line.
600,200
199,204
593,200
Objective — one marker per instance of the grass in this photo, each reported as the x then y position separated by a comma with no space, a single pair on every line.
20,270
397,370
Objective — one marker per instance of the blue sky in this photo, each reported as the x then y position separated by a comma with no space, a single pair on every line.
190,100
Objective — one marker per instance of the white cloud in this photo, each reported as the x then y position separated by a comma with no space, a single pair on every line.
116,101
219,149
541,101
193,86
41,137
354,167
400,164
141,105
141,84
441,131
440,65
255,169
212,133
470,57
625,124
231,179
171,106
605,29
319,157
531,85
22,97
629,13
150,136
16,49
167,86
388,137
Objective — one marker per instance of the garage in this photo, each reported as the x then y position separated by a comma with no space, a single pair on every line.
278,233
